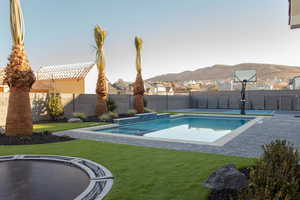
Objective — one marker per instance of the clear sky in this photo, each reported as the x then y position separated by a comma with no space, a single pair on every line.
178,35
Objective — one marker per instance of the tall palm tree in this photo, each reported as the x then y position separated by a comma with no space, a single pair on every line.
19,77
139,83
102,85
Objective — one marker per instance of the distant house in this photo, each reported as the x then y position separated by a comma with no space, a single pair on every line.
3,87
162,89
122,87
149,88
179,90
74,78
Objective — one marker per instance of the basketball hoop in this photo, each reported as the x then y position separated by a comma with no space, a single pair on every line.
296,83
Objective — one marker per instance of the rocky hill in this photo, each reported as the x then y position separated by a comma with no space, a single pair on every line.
225,72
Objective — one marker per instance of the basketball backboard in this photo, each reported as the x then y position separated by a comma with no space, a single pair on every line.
244,75
294,14
296,83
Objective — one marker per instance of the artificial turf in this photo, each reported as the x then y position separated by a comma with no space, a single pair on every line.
142,172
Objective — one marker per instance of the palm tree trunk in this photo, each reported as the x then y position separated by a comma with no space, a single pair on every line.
19,77
19,116
102,85
139,83
139,94
101,105
139,103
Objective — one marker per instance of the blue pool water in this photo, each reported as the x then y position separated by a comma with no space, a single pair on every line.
192,128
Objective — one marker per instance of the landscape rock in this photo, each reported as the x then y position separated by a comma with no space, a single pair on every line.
74,120
226,177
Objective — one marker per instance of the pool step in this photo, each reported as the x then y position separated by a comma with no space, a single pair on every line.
147,116
141,117
163,115
128,120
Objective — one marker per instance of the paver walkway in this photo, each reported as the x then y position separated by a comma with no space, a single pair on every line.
247,144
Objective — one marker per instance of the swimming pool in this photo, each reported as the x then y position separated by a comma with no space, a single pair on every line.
184,128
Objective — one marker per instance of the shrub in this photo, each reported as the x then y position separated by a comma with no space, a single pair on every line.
105,117
132,112
111,105
108,117
148,110
113,115
79,115
54,106
145,102
275,174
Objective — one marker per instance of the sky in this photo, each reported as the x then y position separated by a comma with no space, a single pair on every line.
178,35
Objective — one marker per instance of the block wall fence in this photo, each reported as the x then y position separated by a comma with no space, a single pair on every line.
85,103
257,100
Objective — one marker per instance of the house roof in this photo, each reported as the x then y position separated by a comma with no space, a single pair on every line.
71,71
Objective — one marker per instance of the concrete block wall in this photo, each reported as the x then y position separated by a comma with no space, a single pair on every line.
259,100
86,103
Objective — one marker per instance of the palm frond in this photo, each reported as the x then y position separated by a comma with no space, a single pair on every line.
17,22
138,43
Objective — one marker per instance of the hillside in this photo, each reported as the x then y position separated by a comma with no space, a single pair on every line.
225,72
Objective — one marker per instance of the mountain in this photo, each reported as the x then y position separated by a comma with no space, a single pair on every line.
225,72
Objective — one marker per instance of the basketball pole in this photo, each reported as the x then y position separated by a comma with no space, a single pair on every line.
243,97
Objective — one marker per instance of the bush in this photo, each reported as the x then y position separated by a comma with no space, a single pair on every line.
148,110
108,117
145,102
111,105
132,112
113,114
105,117
275,174
54,106
79,115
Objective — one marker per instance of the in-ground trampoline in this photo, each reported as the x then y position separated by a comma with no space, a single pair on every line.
36,177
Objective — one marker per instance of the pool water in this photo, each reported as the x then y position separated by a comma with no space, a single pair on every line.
191,128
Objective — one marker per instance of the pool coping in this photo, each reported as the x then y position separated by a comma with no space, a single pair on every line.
219,142
87,166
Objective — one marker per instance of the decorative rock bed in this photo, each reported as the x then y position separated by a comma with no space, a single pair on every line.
36,138
39,176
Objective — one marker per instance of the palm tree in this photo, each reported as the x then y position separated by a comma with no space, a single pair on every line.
139,83
19,77
102,85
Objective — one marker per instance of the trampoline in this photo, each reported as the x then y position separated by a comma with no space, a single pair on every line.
35,177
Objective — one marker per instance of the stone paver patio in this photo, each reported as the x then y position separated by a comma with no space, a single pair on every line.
247,144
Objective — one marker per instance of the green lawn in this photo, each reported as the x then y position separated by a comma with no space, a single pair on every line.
142,172
63,126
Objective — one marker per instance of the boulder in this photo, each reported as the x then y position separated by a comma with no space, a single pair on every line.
74,120
226,177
